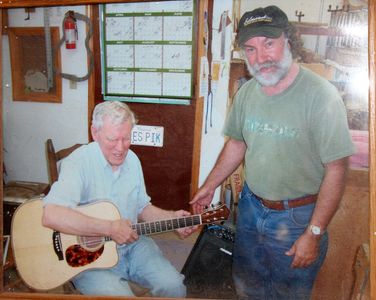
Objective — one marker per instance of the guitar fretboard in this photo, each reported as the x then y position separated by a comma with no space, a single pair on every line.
209,216
166,225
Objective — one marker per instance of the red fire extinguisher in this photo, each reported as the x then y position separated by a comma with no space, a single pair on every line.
70,30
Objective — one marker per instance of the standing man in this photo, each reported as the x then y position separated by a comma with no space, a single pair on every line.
290,127
107,169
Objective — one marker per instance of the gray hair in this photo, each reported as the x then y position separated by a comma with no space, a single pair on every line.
295,41
118,113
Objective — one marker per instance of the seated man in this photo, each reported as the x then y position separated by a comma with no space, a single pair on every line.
107,169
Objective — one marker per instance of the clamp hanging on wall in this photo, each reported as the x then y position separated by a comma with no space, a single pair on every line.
209,55
47,34
224,22
69,38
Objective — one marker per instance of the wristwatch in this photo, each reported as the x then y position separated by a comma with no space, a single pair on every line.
316,230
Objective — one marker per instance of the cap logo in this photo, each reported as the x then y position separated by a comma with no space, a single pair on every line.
252,20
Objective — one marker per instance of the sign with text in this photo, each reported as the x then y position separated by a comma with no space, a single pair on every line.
147,135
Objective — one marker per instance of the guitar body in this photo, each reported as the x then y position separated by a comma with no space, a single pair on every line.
46,258
38,264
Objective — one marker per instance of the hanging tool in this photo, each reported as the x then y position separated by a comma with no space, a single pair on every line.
206,30
224,22
222,30
209,55
29,10
334,20
47,35
300,15
321,10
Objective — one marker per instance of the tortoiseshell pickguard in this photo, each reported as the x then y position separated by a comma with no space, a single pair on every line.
77,256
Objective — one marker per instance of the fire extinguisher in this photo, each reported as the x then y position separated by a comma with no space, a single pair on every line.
70,30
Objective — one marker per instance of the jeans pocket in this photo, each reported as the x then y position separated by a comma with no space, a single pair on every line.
301,215
244,198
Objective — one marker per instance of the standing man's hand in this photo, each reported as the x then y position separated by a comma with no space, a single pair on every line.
229,159
306,247
305,250
202,199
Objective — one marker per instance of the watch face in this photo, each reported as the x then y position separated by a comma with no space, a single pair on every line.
315,230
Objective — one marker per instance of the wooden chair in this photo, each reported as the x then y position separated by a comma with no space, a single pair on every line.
54,157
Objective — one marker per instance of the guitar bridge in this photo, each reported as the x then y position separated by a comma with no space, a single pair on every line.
56,242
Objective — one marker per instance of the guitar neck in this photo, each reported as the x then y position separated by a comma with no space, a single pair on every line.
209,216
166,225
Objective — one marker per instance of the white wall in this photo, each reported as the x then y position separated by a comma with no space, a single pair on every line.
27,125
213,140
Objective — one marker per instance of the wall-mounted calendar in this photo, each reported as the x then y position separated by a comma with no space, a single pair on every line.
147,51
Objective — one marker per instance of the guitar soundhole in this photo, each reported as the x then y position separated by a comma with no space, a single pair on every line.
77,256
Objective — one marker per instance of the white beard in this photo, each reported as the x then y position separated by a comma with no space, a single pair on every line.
282,68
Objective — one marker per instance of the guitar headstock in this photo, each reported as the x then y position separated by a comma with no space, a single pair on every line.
215,214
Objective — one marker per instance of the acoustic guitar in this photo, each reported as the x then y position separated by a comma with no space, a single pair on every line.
46,259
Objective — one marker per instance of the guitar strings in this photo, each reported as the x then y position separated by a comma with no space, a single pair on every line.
148,229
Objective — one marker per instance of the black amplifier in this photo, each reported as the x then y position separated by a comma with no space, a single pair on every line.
208,269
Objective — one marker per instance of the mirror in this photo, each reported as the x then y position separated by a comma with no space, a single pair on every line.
358,112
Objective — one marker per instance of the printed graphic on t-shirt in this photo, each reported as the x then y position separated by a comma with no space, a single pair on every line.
263,128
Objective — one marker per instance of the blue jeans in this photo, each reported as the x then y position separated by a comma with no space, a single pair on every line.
141,262
261,269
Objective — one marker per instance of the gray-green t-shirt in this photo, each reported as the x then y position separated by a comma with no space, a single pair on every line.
289,136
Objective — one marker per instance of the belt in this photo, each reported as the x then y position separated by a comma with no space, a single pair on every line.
280,204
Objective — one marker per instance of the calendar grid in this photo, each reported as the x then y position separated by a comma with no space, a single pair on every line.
149,45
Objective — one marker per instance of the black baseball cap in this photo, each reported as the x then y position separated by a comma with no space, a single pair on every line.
268,21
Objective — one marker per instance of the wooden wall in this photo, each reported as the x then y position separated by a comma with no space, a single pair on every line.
348,230
167,170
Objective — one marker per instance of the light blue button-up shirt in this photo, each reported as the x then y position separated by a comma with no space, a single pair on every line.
85,177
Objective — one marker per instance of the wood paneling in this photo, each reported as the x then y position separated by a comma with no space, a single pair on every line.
199,101
372,141
167,170
1,147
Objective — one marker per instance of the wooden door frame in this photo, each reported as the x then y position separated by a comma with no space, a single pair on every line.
372,141
195,167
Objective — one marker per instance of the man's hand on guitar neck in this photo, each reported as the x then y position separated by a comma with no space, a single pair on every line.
121,232
153,213
187,231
